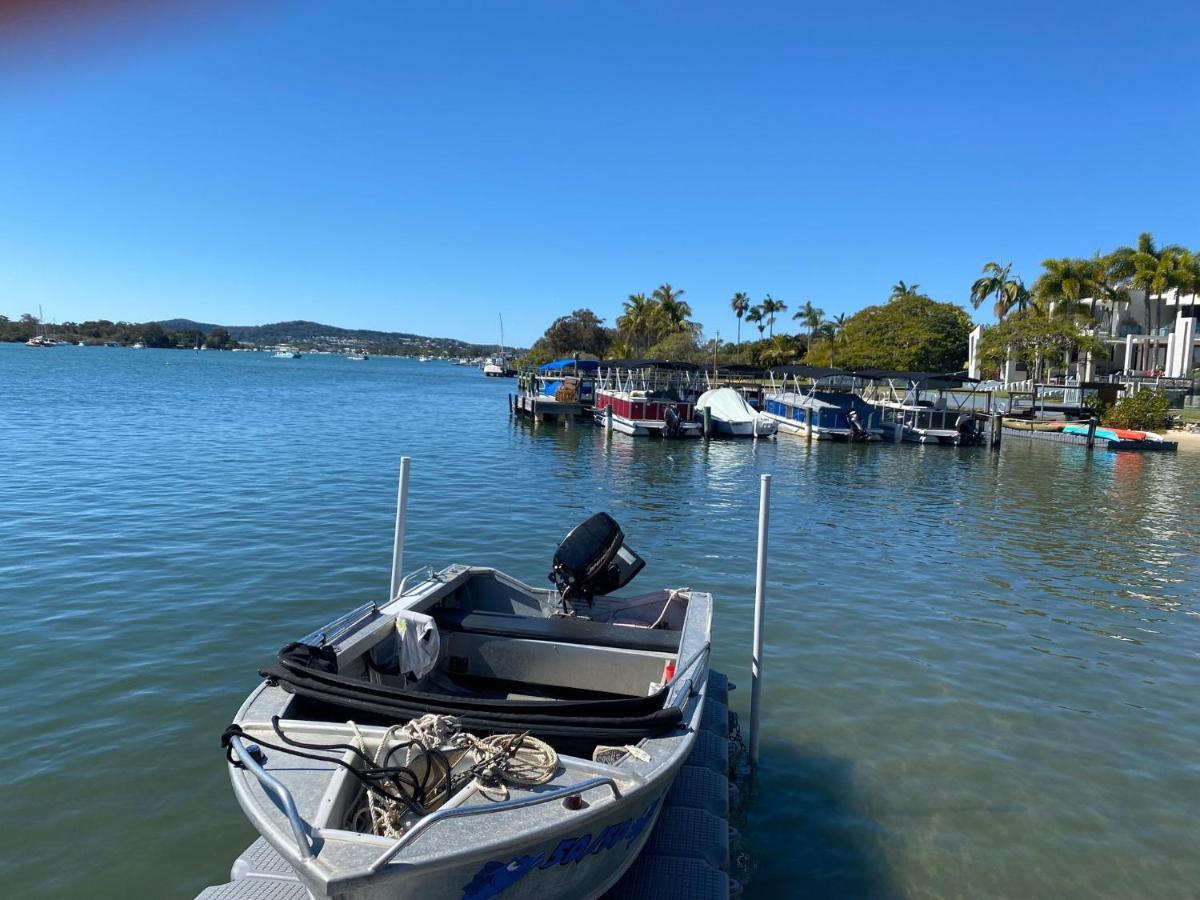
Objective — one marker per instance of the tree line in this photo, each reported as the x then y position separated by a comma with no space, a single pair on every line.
102,331
1040,324
908,331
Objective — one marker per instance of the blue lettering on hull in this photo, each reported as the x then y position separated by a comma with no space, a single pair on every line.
495,877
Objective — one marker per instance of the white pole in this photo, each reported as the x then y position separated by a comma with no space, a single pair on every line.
401,516
760,598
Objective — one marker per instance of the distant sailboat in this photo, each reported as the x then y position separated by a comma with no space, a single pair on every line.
498,366
41,339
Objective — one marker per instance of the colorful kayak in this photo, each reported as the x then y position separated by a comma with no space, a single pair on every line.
1113,434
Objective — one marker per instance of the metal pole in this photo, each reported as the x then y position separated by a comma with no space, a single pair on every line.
401,517
760,599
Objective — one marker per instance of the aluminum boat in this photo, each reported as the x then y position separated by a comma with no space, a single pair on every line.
477,735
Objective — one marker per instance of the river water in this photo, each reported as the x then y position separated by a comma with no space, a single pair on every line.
981,669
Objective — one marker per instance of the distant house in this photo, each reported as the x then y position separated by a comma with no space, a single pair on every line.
1145,336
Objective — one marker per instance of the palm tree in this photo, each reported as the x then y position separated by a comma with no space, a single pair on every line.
770,306
740,305
757,316
1155,270
836,329
638,319
1106,276
1009,292
900,290
674,310
1063,284
811,317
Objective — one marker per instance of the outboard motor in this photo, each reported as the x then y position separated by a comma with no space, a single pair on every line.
968,433
674,427
857,432
593,559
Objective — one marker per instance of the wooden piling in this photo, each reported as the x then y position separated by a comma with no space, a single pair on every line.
1091,435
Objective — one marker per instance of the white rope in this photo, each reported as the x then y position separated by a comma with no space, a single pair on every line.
671,597
519,760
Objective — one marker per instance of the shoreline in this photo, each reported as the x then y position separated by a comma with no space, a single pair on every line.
1189,439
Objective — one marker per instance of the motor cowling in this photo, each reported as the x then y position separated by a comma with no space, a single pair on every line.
593,560
968,432
857,431
673,424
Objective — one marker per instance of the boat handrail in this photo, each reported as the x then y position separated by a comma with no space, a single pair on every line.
272,785
692,660
426,570
454,812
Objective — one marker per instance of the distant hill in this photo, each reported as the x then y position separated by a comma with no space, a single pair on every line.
316,336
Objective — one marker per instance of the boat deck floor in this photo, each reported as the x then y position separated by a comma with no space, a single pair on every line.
687,855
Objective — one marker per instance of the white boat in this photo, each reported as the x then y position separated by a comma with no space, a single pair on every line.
42,340
930,408
286,353
475,735
730,413
138,345
360,356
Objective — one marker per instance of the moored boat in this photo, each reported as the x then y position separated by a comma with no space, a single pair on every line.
648,398
929,407
731,414
475,735
804,399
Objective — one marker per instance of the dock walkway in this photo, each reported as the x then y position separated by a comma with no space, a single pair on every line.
687,856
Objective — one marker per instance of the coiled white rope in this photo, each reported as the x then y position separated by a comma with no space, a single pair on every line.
520,760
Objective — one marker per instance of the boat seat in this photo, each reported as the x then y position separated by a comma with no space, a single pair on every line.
562,628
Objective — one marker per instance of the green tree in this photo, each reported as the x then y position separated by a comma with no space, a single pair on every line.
740,305
770,306
1035,339
901,290
1008,292
810,317
678,346
758,317
675,311
912,333
1063,283
1154,269
639,323
581,332
1145,410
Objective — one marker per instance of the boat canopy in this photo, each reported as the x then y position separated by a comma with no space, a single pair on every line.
935,380
584,365
816,373
649,364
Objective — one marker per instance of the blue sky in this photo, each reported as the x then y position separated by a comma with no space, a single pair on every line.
425,167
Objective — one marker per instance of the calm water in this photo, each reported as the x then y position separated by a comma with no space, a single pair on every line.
981,669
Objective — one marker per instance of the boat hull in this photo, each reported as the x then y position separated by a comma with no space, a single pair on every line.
819,433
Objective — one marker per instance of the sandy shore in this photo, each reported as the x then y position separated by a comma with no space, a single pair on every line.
1186,439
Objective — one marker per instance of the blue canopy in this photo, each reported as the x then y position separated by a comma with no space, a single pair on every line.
585,365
